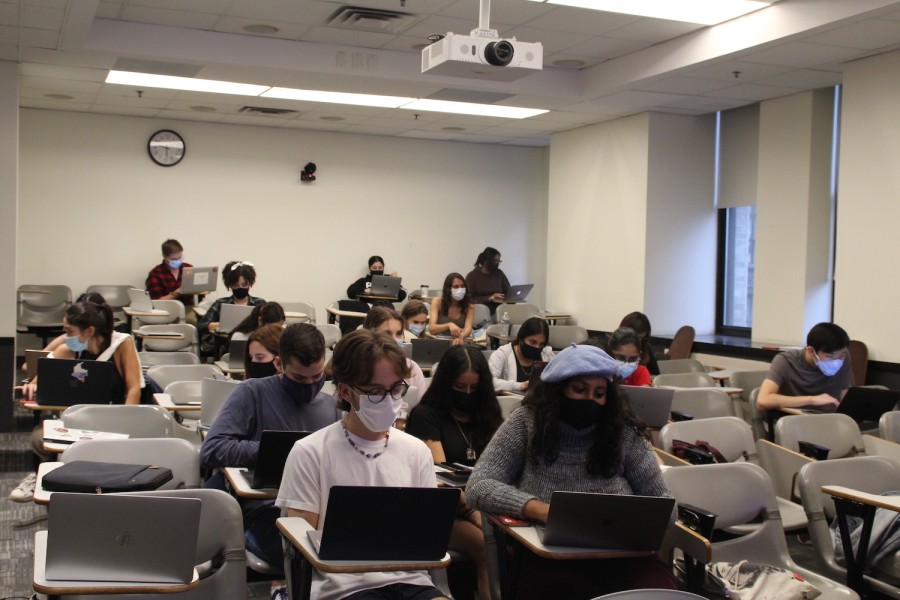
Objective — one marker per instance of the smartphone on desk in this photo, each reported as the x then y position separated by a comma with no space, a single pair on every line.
513,522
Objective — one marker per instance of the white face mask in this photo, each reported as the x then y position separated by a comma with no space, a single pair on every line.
378,417
458,293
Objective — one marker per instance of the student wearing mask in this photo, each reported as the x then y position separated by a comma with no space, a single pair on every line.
261,351
456,419
639,322
623,345
262,314
362,449
164,280
511,363
453,313
415,315
486,282
291,401
239,279
362,285
390,322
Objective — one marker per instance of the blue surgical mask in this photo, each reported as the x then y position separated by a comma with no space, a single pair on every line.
400,341
75,345
417,329
302,393
174,264
829,368
627,369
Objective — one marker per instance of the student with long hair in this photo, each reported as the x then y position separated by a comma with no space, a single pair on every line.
262,314
454,312
486,282
624,346
415,315
639,322
511,364
456,419
390,322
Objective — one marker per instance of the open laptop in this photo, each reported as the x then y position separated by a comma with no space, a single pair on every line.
231,316
112,537
386,523
236,353
140,300
518,293
199,280
868,404
427,352
274,447
66,382
383,285
607,521
651,405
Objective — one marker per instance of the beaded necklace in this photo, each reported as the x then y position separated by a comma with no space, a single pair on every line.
357,448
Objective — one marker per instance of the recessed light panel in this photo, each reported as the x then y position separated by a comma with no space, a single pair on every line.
184,83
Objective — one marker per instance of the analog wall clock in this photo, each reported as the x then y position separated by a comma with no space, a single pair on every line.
166,148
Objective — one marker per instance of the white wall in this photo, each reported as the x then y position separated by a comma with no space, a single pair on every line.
867,270
94,208
9,173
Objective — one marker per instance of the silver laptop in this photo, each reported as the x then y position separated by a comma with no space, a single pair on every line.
231,316
199,280
236,353
606,521
651,405
383,285
112,537
518,293
140,300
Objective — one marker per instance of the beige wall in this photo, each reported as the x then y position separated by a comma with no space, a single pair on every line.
9,176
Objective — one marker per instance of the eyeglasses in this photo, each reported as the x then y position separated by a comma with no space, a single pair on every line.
627,359
377,394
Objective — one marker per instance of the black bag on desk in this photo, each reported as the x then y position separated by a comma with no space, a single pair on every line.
99,477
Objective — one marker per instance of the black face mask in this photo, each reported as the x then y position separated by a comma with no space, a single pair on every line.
301,393
240,293
530,352
579,413
492,266
255,370
462,401
373,273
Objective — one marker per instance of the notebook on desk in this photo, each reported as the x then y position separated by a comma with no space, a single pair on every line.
651,405
66,382
274,447
518,293
428,352
867,404
111,537
386,523
606,521
199,280
231,316
384,285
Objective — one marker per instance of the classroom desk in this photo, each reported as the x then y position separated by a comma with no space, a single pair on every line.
234,371
57,588
140,335
552,317
367,297
165,400
42,496
289,314
728,390
295,530
722,375
200,311
130,313
242,488
345,313
850,502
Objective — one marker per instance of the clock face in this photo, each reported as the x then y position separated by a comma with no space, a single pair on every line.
166,148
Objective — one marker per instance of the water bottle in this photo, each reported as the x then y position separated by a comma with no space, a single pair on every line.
505,318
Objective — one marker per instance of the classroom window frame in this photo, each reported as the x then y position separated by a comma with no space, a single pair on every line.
725,276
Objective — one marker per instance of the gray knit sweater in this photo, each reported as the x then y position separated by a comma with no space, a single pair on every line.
505,477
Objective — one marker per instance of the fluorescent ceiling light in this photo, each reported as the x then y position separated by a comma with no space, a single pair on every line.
704,12
470,108
184,83
336,97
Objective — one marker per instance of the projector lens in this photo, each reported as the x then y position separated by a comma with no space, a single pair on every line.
499,53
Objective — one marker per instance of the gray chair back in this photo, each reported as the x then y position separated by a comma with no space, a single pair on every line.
187,339
42,305
482,316
729,435
151,359
182,457
839,433
703,403
115,295
684,380
214,393
889,426
563,336
300,307
516,313
747,381
163,375
681,365
331,332
137,420
183,392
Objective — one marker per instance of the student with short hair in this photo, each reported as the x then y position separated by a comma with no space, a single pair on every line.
511,363
486,282
362,449
815,377
624,346
453,313
290,401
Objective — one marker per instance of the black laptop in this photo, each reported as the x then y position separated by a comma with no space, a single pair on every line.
67,382
386,523
274,447
607,521
868,404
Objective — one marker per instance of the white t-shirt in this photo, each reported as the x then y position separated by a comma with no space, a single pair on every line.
324,459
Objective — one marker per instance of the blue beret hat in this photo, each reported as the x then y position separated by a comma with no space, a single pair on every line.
580,360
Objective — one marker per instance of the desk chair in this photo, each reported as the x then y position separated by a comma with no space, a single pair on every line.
859,360
163,375
744,494
649,595
889,426
180,456
482,317
758,419
347,323
185,391
115,295
682,342
40,309
496,334
563,336
151,359
516,314
681,365
684,380
747,381
508,404
175,308
703,404
332,334
303,307
187,340
839,433
214,393
871,474
137,420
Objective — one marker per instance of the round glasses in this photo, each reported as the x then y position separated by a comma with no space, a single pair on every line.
378,394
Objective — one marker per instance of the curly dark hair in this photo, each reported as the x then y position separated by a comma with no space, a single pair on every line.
605,453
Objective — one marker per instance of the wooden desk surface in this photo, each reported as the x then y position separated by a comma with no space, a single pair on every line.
56,587
165,400
156,312
295,529
199,311
346,313
42,407
728,390
242,488
374,297
528,537
157,336
888,502
42,496
295,315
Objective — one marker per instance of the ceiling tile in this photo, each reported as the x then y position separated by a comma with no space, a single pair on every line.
8,52
108,10
606,47
578,20
9,15
130,111
39,38
41,17
652,31
440,24
59,72
331,35
215,7
753,91
172,18
54,105
507,12
706,104
801,55
9,34
746,71
806,79
552,41
866,35
680,84
542,142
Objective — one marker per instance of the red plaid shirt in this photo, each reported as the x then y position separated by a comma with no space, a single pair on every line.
161,282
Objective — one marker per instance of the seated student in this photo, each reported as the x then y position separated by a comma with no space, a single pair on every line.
362,285
816,377
60,340
415,315
641,325
486,282
511,363
573,432
456,419
262,314
362,449
89,335
239,279
389,321
623,345
261,351
164,280
209,299
453,313
292,401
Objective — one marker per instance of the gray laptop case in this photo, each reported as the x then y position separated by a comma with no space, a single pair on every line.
113,537
607,521
196,280
384,285
653,406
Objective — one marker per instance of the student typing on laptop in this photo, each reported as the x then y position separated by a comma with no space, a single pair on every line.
573,433
291,401
239,279
362,285
164,280
815,377
362,449
486,282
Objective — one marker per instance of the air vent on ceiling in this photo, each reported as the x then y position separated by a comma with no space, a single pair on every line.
357,18
271,112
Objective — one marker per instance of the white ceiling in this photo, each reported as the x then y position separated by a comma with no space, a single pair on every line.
628,64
